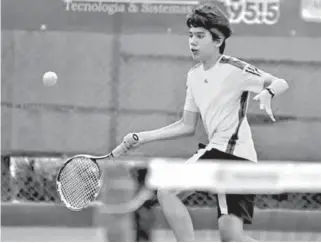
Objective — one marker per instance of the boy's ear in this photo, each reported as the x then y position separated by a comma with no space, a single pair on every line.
217,36
219,42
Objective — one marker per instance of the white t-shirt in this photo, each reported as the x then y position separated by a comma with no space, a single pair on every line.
221,96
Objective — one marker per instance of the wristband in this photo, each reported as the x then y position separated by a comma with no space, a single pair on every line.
271,92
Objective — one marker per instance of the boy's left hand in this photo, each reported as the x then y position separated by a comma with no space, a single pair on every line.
265,99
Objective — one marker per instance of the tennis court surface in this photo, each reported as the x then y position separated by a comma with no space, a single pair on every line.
49,222
46,234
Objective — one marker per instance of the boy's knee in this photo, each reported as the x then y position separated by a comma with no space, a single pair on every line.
230,228
165,194
230,236
161,195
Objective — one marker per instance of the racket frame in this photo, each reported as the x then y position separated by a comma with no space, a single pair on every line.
100,182
122,148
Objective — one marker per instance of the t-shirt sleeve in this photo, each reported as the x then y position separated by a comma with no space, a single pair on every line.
190,104
255,80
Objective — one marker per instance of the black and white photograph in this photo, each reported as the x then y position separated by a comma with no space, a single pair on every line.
160,120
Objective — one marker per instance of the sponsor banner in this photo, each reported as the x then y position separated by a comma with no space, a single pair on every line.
248,17
311,10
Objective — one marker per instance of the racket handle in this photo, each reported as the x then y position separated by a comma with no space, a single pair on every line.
125,146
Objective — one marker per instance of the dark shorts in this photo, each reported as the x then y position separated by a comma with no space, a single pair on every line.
240,205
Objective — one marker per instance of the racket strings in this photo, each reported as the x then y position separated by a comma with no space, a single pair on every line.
80,182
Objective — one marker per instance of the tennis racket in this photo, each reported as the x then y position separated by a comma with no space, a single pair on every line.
79,179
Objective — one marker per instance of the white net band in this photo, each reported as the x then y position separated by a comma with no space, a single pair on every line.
234,177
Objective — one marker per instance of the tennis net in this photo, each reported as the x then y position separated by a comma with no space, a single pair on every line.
287,207
283,208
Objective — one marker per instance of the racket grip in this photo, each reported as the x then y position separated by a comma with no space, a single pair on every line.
125,146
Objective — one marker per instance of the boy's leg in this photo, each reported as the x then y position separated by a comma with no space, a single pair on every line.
176,212
234,210
231,229
177,215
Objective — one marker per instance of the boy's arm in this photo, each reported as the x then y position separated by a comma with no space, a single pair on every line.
184,127
266,85
257,81
275,86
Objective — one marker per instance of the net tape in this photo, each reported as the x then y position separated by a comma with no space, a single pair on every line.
33,179
220,177
233,177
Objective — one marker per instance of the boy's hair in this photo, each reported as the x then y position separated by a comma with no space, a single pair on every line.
210,17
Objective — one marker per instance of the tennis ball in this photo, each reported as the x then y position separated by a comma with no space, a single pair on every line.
50,78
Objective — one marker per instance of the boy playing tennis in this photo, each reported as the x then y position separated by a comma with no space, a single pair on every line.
218,90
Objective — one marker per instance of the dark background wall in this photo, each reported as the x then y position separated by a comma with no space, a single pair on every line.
126,72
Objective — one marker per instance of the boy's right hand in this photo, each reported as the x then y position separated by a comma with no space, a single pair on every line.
132,140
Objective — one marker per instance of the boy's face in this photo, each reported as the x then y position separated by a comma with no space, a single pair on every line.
201,44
